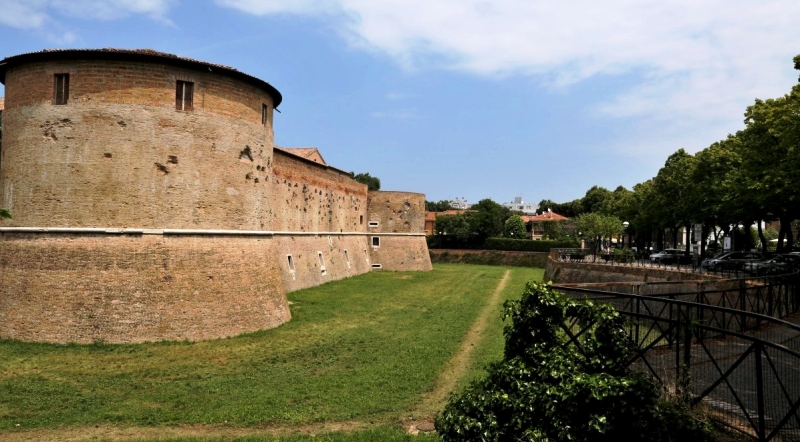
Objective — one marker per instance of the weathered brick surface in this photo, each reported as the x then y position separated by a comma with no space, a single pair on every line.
304,251
403,213
309,197
402,253
396,212
85,288
127,158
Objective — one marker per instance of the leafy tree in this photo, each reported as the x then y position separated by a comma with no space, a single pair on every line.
597,199
515,227
598,226
373,183
557,230
770,174
569,209
456,226
554,385
487,219
674,192
441,206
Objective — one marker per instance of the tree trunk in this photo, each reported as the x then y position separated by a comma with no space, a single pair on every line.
782,235
761,237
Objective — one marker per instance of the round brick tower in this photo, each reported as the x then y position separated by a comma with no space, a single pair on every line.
134,138
102,152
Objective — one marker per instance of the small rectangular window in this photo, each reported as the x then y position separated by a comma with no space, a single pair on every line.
291,262
321,264
377,266
61,91
184,91
263,114
373,224
376,241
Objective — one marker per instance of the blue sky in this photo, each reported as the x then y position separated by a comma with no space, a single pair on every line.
466,98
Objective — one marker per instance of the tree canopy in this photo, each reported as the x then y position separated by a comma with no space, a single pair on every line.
748,177
372,182
440,206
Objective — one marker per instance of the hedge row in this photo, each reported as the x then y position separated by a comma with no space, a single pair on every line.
489,257
525,245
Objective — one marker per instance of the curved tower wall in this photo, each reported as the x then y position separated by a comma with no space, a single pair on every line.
119,154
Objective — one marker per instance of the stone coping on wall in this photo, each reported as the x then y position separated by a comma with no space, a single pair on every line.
133,231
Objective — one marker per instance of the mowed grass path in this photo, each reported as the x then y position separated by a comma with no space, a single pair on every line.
363,349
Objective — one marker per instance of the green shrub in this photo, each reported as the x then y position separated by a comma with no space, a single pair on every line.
623,255
556,385
525,245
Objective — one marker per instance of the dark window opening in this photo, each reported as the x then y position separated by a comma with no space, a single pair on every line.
184,91
263,114
376,241
291,262
61,91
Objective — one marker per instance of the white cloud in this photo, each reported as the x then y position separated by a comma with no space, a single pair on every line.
38,14
113,9
23,14
698,64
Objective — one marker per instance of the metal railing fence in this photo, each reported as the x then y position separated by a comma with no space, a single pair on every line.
725,344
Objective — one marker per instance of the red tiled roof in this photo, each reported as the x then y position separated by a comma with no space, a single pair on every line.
545,216
306,152
433,215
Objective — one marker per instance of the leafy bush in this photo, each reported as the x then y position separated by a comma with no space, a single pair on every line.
624,255
556,385
490,257
525,245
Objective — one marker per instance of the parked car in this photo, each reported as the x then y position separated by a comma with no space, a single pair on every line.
671,256
779,264
730,261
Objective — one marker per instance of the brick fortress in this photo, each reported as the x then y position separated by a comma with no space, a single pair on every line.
150,203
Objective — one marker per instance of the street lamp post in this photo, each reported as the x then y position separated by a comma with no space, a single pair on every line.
625,225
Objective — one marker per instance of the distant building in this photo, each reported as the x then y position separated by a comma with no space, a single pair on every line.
460,203
521,206
534,224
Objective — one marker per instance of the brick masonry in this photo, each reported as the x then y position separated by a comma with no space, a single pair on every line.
119,155
87,288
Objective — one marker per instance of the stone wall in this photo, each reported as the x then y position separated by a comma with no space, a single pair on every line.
310,197
307,264
579,272
396,223
135,288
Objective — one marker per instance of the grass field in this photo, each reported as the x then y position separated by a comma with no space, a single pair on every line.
366,352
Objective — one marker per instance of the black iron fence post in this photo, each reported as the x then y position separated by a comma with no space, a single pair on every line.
761,430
